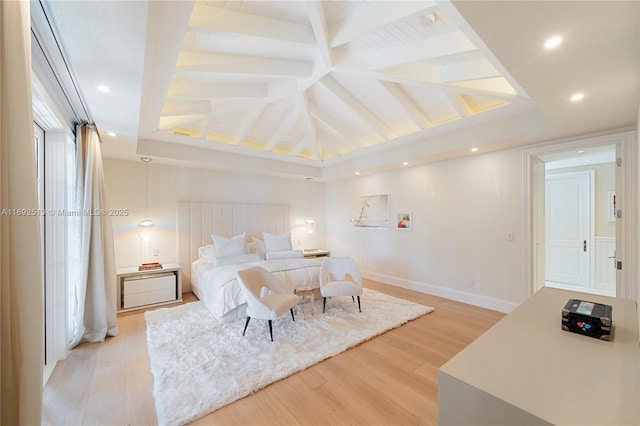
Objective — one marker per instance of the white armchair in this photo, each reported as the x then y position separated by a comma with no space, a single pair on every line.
339,276
269,307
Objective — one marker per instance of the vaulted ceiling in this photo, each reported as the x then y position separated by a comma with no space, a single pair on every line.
318,80
333,86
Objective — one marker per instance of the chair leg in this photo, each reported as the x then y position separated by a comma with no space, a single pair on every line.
324,304
271,330
294,318
245,325
352,299
359,304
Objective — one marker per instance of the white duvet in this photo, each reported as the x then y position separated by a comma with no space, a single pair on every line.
219,291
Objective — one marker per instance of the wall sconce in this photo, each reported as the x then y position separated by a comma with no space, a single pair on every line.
310,224
146,227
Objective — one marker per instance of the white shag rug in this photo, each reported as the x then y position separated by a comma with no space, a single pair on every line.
200,365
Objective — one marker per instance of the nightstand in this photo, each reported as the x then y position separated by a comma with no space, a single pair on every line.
143,289
311,253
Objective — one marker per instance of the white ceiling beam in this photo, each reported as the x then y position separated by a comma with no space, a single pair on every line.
445,45
300,146
311,128
458,104
293,115
339,142
221,107
250,121
207,128
216,20
424,75
341,93
169,123
186,108
344,133
403,101
476,70
488,85
218,90
165,31
319,25
376,18
244,65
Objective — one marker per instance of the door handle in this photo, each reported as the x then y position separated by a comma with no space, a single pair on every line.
584,246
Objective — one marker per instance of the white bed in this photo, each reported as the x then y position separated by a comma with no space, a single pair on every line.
217,287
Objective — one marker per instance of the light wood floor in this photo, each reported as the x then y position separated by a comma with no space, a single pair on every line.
391,379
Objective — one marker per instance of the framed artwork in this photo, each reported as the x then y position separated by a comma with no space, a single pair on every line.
371,211
403,221
611,206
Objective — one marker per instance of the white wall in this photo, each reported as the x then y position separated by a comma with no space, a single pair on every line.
463,212
125,187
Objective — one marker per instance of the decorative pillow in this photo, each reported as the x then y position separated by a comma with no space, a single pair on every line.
207,253
259,247
277,242
229,246
285,254
237,258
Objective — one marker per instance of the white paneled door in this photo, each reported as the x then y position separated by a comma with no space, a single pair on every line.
568,212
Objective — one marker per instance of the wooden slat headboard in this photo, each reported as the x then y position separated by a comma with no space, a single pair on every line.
198,220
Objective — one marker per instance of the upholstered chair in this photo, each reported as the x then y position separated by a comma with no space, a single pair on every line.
269,307
339,276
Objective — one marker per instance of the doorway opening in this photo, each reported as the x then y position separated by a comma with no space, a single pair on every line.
580,229
575,227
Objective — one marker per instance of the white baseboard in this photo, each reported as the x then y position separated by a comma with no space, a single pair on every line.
448,293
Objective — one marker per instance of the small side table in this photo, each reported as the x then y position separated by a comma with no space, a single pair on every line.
307,293
143,289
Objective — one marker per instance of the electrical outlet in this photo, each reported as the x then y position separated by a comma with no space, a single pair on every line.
470,282
155,252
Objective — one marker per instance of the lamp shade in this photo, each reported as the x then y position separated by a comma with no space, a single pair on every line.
146,229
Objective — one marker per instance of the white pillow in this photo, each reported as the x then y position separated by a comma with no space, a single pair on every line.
259,246
277,242
285,254
237,258
207,253
229,246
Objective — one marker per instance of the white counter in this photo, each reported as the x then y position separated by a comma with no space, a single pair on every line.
526,370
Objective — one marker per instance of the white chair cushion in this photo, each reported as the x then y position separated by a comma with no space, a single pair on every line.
341,288
276,305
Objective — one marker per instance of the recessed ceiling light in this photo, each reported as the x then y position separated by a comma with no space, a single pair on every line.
357,173
552,42
474,149
405,163
146,159
111,134
577,97
581,152
104,89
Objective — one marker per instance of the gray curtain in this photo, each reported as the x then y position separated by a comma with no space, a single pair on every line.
21,295
92,310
